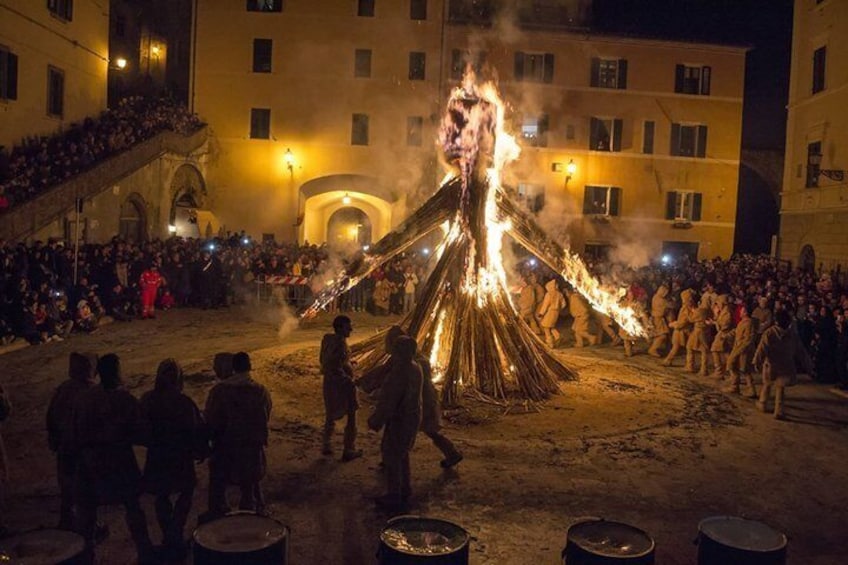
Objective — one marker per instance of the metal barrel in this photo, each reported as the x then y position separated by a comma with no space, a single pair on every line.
242,538
59,547
418,540
728,540
600,542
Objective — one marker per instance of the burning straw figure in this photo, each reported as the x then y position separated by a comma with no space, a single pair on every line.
465,321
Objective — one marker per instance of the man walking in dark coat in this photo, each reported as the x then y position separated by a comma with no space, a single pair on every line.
237,413
82,368
174,433
398,413
106,425
339,389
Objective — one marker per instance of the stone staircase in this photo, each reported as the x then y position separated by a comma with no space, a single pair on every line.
23,220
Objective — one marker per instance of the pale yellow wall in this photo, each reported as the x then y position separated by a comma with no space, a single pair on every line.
78,47
312,93
808,214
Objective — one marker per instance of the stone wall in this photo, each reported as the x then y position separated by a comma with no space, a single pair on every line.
824,231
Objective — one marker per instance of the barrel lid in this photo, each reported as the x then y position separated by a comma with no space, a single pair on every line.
238,533
419,535
40,547
610,539
740,533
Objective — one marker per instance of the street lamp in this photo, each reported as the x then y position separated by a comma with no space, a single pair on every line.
814,161
121,63
346,199
570,169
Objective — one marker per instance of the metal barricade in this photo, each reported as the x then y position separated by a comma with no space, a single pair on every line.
283,289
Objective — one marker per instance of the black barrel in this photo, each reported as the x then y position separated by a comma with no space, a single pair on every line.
242,538
727,540
414,540
599,542
58,547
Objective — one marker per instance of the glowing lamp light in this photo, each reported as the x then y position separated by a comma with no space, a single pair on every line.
570,168
121,63
533,262
666,259
172,228
425,251
366,247
154,50
346,199
289,159
246,240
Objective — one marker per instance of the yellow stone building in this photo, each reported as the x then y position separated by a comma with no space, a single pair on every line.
54,58
325,114
814,203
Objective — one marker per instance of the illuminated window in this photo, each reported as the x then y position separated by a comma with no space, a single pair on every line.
605,134
460,59
819,68
414,131
365,8
62,9
418,9
260,123
362,63
534,67
692,80
609,73
262,55
417,65
55,92
534,130
601,200
359,130
8,75
264,5
683,206
688,140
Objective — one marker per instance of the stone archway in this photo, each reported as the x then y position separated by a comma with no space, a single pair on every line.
188,194
132,222
807,259
348,226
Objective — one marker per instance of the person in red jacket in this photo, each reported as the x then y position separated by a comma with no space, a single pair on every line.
150,282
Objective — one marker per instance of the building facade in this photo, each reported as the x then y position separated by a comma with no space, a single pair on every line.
325,116
814,201
54,60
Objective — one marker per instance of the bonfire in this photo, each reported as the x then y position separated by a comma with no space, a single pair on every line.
465,321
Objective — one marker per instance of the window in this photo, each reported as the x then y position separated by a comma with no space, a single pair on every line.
683,206
359,130
417,65
264,5
8,75
260,123
648,138
362,63
534,67
813,164
688,140
55,92
466,11
609,73
692,80
461,59
605,134
601,200
534,130
532,196
262,55
418,9
120,25
414,131
569,132
365,8
62,9
819,62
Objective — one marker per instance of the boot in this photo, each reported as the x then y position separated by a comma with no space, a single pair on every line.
704,370
656,344
718,372
750,389
628,348
778,403
762,402
732,388
690,361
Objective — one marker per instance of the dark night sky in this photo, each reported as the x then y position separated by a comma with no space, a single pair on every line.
763,25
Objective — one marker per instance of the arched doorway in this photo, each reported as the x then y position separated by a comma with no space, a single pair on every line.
807,259
132,223
188,192
349,227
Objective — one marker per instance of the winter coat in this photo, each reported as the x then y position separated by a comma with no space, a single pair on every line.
580,310
527,301
697,340
398,409
660,305
779,352
237,413
60,411
724,330
338,387
551,306
106,425
743,337
175,434
683,324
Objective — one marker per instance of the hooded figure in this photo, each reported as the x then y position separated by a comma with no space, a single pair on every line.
737,361
779,353
580,310
723,340
697,340
548,313
681,326
398,413
82,368
527,305
174,433
660,305
339,388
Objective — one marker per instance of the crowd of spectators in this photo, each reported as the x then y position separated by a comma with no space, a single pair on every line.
39,163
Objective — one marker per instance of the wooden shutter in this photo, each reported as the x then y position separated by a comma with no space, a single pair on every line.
11,78
675,139
549,68
596,71
519,66
588,199
622,74
696,207
679,75
702,141
706,74
670,205
648,138
617,129
614,201
543,125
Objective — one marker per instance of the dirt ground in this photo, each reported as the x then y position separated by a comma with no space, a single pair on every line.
628,441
